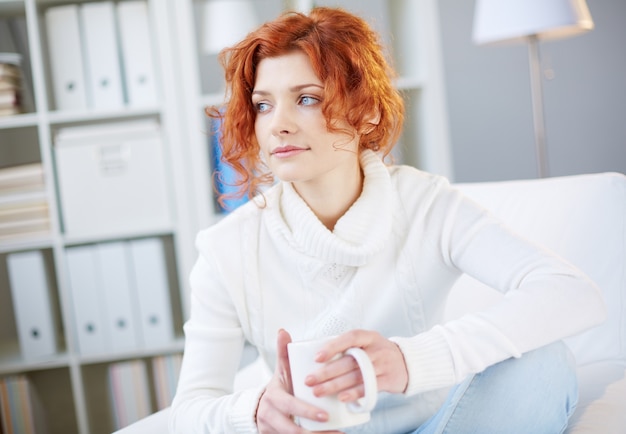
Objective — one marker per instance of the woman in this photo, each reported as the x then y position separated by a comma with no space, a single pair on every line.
346,245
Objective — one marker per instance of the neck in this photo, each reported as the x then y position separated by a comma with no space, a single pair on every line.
330,199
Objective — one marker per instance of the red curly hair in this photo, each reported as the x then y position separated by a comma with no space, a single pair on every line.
349,60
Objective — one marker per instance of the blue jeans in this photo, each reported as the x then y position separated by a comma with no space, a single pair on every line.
534,394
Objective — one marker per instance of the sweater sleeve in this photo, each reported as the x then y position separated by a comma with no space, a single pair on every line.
546,298
205,401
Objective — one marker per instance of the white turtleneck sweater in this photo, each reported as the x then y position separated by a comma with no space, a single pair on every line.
388,266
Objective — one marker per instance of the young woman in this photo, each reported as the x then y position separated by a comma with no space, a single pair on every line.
346,245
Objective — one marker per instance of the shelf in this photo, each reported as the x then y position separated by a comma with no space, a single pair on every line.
11,361
117,235
140,353
19,243
80,116
19,121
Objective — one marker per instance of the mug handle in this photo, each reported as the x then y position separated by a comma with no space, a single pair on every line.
368,402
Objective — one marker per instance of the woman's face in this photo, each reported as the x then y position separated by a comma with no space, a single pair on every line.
291,129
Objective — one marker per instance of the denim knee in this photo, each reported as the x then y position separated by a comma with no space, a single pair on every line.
536,393
556,362
546,389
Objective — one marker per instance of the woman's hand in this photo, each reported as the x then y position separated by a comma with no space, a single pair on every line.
342,376
277,405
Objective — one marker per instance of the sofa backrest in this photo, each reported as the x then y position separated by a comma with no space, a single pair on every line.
583,219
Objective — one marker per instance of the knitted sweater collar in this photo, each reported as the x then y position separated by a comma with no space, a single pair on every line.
358,235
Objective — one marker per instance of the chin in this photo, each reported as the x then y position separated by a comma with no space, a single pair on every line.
291,175
287,178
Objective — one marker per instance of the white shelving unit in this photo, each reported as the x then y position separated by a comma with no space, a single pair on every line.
73,387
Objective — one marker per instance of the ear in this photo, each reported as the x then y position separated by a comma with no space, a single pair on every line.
371,121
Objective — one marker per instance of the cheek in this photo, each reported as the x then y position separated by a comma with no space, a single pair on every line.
261,137
258,132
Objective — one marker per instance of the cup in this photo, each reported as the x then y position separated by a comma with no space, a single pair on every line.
340,414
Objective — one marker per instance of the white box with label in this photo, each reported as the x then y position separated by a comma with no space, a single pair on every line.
112,179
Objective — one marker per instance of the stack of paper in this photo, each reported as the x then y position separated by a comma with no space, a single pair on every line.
20,409
128,392
14,39
23,203
166,370
10,84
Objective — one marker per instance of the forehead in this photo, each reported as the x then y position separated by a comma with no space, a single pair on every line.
286,70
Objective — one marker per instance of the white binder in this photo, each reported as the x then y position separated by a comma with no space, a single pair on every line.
151,283
87,301
66,58
121,310
137,53
102,64
32,304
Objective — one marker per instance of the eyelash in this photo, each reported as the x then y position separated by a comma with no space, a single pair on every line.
258,106
314,100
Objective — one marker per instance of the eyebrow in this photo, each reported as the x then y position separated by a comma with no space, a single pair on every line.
297,88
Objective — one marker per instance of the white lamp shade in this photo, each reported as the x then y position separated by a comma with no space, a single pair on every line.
503,21
225,23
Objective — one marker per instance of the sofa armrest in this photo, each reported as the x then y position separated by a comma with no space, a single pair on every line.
156,423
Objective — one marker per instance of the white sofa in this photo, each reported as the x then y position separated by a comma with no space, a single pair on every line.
583,218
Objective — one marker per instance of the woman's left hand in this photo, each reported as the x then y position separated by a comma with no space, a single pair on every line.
342,376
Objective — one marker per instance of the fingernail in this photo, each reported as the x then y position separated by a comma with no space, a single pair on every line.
309,380
344,397
321,417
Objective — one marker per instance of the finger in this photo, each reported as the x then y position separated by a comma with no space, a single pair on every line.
283,368
280,406
353,338
275,421
331,370
352,394
339,384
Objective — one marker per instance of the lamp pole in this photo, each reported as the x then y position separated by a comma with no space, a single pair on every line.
537,104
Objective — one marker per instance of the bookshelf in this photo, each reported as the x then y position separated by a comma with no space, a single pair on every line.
74,387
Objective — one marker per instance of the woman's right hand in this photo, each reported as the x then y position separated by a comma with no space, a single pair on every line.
277,406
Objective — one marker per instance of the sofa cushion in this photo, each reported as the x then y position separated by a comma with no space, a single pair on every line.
582,218
600,406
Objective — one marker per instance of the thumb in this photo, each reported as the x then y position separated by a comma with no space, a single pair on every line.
283,369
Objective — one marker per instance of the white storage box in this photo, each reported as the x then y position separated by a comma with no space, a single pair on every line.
112,179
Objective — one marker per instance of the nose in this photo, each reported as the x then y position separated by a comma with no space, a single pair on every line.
283,120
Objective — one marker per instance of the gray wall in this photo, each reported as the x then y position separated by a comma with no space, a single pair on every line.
488,97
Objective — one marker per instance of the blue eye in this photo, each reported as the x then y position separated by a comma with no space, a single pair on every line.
309,100
262,107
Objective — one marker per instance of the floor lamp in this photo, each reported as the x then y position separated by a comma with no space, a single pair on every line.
225,23
515,21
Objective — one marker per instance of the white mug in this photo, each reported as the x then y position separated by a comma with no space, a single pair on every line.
340,414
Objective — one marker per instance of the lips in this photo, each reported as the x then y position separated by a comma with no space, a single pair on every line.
287,151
